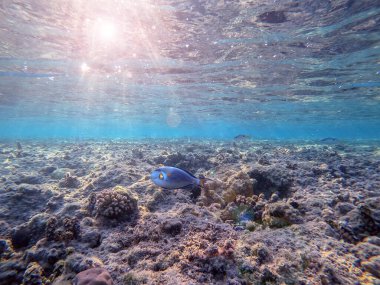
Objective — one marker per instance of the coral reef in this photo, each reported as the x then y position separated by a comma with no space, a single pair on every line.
273,213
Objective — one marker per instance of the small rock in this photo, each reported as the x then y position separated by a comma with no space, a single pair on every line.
262,253
92,238
33,274
274,197
29,179
69,181
273,17
59,173
136,153
344,207
5,249
271,180
212,251
21,236
33,230
93,276
280,215
294,204
47,170
251,226
132,279
267,276
77,263
373,266
8,277
172,227
374,240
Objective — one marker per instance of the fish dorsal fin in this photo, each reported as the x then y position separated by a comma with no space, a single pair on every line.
192,175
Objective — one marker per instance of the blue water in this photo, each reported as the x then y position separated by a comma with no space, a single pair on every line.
203,69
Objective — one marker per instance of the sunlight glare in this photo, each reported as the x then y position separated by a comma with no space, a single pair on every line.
107,31
84,67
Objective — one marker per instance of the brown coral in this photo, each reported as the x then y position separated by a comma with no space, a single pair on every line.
114,203
65,229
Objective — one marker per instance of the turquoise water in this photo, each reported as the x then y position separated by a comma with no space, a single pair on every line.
209,69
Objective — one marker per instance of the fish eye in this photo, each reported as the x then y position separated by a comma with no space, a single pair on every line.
161,176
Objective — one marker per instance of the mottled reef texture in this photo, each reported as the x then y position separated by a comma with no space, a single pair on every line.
276,213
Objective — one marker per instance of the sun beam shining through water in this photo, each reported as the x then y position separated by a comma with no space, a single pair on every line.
106,30
186,64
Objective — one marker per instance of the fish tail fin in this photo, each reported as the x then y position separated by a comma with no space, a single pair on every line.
202,180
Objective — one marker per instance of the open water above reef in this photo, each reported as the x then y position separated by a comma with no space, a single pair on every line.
212,69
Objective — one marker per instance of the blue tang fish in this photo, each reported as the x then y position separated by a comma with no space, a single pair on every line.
169,177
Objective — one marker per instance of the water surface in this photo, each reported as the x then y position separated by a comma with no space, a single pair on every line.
122,69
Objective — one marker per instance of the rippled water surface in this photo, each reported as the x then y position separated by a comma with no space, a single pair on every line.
123,68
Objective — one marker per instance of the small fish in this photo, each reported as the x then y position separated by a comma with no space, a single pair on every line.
242,137
329,140
169,177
